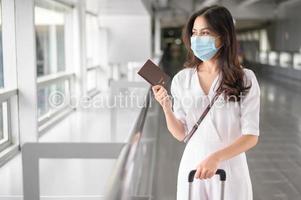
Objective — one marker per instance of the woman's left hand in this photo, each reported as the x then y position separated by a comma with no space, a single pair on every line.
207,168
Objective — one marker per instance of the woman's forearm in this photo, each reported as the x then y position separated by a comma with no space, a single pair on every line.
242,144
175,126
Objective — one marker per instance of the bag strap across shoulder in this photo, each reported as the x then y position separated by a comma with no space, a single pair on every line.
196,125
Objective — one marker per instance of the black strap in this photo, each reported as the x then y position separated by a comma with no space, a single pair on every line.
196,125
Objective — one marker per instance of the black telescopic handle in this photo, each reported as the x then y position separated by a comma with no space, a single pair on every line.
220,172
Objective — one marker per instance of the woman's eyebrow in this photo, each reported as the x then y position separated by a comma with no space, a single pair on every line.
205,28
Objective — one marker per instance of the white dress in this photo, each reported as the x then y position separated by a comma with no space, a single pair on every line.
224,123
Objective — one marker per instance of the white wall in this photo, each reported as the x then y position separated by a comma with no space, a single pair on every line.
129,37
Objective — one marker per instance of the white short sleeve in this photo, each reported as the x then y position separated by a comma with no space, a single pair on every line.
250,106
178,110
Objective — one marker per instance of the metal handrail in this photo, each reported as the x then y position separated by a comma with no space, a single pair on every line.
119,182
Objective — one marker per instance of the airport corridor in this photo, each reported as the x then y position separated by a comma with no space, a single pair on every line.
79,119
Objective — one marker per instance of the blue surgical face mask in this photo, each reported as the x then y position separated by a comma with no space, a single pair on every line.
203,47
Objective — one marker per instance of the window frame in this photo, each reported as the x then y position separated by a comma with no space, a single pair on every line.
5,96
94,67
49,80
50,118
9,93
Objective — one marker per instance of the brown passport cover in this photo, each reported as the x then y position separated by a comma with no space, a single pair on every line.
153,74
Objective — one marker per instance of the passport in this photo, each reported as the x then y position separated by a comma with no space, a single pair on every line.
153,74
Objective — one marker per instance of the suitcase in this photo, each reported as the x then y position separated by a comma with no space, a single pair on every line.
222,176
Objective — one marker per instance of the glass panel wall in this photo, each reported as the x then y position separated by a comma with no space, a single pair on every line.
51,36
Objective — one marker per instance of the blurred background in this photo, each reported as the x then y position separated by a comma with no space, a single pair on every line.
64,134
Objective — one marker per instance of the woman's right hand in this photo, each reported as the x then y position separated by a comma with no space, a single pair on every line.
162,97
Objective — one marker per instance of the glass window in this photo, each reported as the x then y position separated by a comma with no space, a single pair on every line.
50,40
1,125
1,54
93,50
4,133
3,108
53,97
51,36
92,38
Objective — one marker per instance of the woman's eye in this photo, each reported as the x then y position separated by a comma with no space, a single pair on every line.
205,33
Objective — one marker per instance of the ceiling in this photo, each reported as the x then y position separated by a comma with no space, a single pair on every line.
107,7
247,13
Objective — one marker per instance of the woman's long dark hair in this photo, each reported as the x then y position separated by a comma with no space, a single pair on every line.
220,20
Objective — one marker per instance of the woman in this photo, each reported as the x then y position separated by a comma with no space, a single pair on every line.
232,125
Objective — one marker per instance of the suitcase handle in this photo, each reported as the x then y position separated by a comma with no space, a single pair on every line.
220,172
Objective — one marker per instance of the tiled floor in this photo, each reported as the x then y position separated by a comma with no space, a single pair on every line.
169,153
275,163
